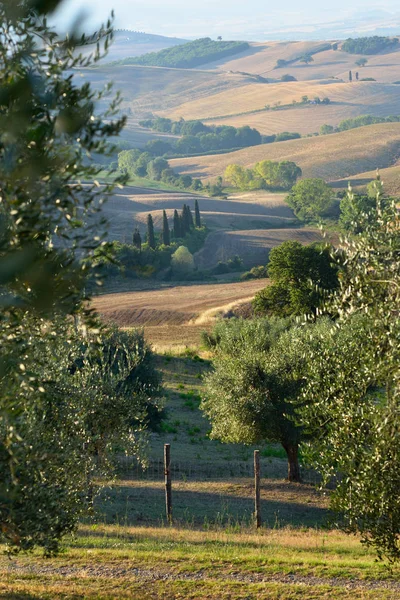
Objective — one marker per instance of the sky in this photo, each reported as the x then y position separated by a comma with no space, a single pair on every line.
237,19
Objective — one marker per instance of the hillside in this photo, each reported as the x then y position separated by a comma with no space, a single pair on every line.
129,207
330,157
347,100
189,55
128,43
390,178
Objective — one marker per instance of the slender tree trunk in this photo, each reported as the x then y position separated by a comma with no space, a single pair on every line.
292,451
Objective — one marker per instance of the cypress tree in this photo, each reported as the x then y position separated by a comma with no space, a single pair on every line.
190,218
150,232
166,240
197,218
137,239
350,76
177,225
184,221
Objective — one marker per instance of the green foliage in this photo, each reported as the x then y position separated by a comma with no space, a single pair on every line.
287,135
255,273
369,45
165,230
51,229
266,174
288,77
351,402
356,211
182,260
187,56
311,199
361,62
280,63
306,58
151,241
258,369
302,277
326,129
198,137
96,392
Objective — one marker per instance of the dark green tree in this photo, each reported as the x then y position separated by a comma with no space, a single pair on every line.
302,277
177,225
197,217
151,241
137,239
166,239
350,76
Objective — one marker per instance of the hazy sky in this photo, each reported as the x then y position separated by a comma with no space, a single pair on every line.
234,18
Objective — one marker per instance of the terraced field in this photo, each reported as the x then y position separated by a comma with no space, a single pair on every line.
330,157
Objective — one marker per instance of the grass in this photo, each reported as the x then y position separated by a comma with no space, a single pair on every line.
212,550
105,562
366,148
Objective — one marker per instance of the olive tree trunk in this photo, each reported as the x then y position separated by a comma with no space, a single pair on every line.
292,451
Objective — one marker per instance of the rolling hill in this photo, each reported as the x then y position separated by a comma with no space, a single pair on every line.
347,100
330,157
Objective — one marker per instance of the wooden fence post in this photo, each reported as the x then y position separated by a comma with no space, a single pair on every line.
167,473
257,498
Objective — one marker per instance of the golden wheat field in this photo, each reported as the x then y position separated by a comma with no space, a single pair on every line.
330,157
347,100
130,206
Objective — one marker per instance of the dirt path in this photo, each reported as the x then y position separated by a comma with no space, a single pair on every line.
128,571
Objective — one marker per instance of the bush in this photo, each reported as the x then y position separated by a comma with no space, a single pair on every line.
288,77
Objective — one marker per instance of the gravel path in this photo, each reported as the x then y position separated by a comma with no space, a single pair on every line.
149,575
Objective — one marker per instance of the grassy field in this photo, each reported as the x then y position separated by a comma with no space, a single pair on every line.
390,178
212,550
330,157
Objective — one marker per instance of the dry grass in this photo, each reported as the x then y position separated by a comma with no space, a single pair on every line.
330,157
390,178
349,100
252,246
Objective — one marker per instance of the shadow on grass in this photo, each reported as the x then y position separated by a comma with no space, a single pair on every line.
282,505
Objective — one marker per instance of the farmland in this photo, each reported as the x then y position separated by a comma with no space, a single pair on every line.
367,148
129,207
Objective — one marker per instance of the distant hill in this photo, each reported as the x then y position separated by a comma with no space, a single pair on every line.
128,43
189,55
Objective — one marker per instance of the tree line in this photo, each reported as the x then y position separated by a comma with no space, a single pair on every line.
354,122
369,45
265,175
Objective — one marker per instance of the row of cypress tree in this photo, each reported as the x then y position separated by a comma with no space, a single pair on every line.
183,223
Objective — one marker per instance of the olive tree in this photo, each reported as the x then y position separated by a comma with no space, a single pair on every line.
351,402
50,229
258,373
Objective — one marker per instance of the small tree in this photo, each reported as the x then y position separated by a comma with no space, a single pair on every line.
166,240
350,76
197,217
361,62
182,261
137,239
307,58
310,199
151,241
